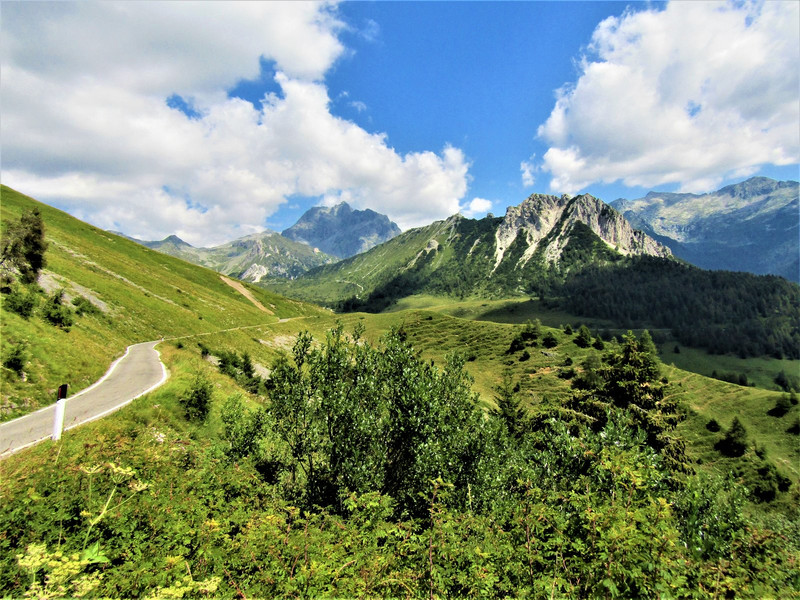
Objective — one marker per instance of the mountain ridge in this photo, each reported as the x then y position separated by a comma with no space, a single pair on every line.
534,244
749,226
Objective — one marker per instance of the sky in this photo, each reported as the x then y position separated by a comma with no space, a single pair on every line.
215,120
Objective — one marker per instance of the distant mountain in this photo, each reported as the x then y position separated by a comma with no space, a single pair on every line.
750,226
342,231
249,258
536,243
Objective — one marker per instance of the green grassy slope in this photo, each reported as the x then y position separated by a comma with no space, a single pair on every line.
149,295
144,295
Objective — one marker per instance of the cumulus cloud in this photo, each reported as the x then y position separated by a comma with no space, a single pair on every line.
692,94
92,131
528,168
477,206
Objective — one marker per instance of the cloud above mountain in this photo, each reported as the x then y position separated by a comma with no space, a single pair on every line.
691,94
91,119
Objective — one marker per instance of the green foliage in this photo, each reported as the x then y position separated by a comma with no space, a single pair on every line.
721,311
23,248
509,409
16,357
788,383
549,340
782,406
358,418
196,402
551,509
584,337
21,303
55,312
84,307
630,379
735,441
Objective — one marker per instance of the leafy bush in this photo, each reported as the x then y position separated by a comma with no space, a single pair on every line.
196,402
23,247
15,357
56,312
21,303
83,306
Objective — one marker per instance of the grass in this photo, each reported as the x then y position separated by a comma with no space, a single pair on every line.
146,295
150,295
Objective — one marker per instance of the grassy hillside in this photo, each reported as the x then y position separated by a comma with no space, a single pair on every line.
147,502
139,294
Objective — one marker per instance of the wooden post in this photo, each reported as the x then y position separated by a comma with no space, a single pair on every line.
61,405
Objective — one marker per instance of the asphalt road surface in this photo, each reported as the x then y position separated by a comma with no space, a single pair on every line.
138,372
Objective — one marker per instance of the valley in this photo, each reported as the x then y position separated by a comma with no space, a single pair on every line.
238,477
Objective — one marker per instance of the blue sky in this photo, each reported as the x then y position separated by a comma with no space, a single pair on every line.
215,120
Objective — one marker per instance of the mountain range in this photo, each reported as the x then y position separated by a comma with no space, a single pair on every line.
321,236
751,226
541,240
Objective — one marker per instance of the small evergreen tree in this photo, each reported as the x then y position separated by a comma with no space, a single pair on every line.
584,337
509,408
735,441
549,340
782,406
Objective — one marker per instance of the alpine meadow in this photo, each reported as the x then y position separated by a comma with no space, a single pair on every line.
394,365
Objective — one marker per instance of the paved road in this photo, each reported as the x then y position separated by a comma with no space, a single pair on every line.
133,375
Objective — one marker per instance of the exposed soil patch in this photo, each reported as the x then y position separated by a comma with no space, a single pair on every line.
246,293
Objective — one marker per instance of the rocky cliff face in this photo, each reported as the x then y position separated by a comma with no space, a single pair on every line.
546,222
749,226
341,231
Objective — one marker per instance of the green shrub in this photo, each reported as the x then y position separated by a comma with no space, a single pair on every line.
735,441
83,306
196,402
56,313
21,303
15,358
713,426
782,406
549,340
584,337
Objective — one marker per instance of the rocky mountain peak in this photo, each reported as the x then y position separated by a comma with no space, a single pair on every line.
341,231
546,222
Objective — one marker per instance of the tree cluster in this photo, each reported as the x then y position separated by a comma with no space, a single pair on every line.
721,311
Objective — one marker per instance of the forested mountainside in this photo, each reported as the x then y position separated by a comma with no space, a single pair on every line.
538,242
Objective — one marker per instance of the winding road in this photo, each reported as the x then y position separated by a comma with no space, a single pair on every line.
138,372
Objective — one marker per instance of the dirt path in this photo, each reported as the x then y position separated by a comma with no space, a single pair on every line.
246,293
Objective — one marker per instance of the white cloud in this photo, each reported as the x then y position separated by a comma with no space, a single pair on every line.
693,94
90,130
528,168
477,206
